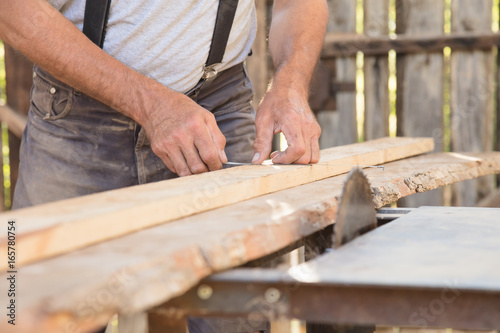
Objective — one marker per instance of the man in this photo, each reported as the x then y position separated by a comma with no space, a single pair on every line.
181,133
137,110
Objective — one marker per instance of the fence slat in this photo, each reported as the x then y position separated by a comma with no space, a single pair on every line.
2,188
339,126
376,69
257,64
498,103
472,94
18,75
420,82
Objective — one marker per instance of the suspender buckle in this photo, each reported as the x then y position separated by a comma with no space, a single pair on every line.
209,72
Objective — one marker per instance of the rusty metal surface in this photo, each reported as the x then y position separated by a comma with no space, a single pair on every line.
270,299
437,267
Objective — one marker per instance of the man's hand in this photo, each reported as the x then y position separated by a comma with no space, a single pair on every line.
295,40
187,140
284,111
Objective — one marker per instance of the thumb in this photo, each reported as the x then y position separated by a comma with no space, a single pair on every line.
263,142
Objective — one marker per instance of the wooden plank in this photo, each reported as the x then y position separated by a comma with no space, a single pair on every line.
85,288
376,69
472,93
94,218
419,103
337,45
339,127
15,121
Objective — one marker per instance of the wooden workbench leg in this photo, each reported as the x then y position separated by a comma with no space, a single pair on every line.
329,328
468,331
136,323
158,324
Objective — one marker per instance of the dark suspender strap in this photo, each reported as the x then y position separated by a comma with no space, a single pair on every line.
96,20
223,24
97,12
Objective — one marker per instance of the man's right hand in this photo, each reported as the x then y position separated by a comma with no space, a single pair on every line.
185,136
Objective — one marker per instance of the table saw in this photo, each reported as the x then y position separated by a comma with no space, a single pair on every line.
434,267
428,267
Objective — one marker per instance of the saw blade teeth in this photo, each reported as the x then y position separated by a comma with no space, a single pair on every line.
356,211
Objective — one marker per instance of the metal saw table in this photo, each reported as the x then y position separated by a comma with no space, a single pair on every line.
433,267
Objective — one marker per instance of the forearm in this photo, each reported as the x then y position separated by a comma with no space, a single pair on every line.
45,36
295,40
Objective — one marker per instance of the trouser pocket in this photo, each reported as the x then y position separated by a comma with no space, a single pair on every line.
51,100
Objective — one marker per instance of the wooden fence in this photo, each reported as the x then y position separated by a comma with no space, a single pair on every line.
446,80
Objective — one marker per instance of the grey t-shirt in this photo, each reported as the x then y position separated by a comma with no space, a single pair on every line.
168,40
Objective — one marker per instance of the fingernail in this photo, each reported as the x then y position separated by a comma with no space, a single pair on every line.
224,156
256,157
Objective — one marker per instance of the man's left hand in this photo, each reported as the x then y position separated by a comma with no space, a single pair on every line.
284,110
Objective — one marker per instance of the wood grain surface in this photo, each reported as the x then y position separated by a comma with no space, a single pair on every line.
66,225
83,289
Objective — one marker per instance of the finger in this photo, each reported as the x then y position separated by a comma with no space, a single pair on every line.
194,160
179,163
208,152
315,154
296,149
263,141
306,157
168,163
218,139
274,153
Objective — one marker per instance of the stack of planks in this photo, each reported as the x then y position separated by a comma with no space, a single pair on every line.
108,262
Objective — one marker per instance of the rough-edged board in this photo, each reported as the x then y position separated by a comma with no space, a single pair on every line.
83,289
60,227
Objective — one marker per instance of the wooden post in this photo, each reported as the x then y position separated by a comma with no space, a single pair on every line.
158,324
18,74
498,105
376,68
2,187
136,323
472,93
420,82
339,126
257,64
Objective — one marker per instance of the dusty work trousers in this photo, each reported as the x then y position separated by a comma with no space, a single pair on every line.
74,145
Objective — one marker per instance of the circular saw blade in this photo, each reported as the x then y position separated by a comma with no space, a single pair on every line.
356,212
